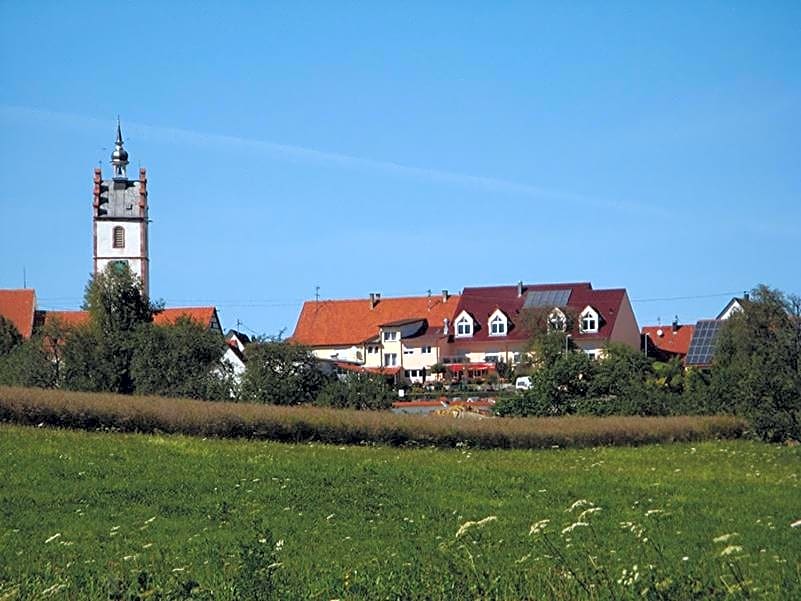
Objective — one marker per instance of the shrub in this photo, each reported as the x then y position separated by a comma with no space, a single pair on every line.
357,391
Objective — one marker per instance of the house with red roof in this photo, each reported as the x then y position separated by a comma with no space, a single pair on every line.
19,307
395,336
664,342
492,324
468,333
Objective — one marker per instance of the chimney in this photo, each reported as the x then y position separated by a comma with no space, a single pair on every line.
445,296
746,296
520,288
446,323
374,298
676,324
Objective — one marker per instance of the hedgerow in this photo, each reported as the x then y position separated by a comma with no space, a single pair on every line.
103,411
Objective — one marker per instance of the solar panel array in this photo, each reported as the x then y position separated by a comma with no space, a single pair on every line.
702,346
546,298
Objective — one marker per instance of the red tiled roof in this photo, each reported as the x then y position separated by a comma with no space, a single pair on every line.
482,302
67,319
345,322
202,315
18,306
677,342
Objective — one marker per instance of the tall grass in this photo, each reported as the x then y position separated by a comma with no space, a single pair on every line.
91,411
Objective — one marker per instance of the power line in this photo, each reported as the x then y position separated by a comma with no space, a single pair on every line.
674,298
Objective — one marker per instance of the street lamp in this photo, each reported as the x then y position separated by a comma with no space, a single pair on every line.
567,340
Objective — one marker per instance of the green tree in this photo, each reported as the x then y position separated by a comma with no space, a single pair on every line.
29,364
357,391
281,373
9,336
176,360
98,357
556,389
622,371
756,369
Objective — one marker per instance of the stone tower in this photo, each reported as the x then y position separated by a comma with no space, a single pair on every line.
119,217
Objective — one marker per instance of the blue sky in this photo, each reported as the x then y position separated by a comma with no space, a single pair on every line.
399,148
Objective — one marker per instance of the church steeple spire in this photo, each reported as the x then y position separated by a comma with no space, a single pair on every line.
119,158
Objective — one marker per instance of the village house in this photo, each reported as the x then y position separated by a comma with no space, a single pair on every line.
490,322
665,342
468,334
393,336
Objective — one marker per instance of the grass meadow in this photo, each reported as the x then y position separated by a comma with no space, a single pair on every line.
137,516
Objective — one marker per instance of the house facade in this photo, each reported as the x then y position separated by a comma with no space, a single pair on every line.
494,324
468,334
393,336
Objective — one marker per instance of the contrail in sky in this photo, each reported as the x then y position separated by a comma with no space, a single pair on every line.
312,155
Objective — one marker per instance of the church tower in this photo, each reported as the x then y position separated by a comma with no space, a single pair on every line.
119,217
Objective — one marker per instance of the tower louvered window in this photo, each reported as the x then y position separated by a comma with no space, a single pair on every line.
119,237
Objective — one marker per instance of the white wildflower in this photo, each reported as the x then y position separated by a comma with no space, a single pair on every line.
653,511
328,517
573,526
52,538
587,512
279,545
52,589
467,525
150,520
579,503
538,527
731,549
724,537
796,524
685,558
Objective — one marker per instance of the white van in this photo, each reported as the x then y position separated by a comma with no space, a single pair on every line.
523,383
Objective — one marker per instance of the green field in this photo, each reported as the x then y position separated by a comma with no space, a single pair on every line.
127,516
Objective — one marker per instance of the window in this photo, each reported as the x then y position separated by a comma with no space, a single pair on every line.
589,320
464,326
390,336
412,373
119,237
408,351
425,350
390,359
498,325
557,321
492,358
372,350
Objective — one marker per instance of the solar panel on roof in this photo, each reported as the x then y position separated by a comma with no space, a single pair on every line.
702,345
546,298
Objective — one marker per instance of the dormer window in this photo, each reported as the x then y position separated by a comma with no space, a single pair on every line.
390,336
557,321
498,324
589,320
464,325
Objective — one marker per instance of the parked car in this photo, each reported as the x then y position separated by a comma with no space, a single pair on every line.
523,383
